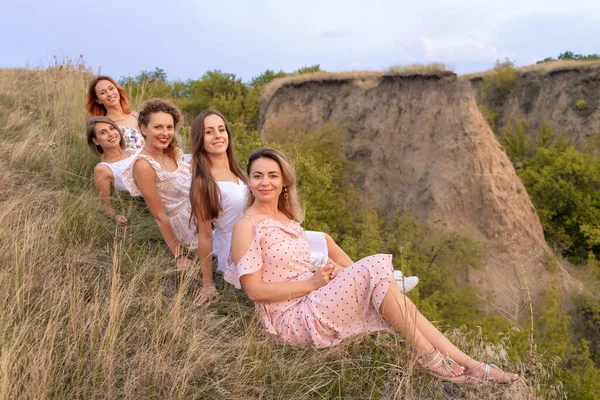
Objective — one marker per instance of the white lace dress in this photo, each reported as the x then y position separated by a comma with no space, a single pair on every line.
174,190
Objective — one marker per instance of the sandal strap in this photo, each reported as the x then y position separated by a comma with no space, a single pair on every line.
437,360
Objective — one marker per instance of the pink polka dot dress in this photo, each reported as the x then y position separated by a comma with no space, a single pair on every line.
348,305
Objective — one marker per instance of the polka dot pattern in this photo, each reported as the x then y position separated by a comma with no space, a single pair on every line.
347,306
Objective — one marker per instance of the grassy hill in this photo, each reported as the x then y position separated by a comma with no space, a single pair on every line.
95,311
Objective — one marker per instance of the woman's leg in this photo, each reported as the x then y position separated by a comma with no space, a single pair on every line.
404,316
401,316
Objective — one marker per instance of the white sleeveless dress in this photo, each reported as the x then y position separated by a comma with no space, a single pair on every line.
117,169
233,198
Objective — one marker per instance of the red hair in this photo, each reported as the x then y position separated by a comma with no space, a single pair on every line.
98,110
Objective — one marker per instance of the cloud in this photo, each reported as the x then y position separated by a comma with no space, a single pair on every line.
452,52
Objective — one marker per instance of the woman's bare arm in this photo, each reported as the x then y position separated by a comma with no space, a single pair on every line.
103,180
145,179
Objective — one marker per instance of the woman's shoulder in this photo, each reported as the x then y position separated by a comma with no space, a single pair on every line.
144,164
246,223
102,169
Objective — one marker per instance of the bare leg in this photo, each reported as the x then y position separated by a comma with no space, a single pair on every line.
401,315
405,317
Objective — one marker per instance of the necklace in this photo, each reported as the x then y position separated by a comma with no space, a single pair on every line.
122,118
161,159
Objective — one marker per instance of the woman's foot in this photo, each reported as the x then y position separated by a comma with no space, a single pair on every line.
442,367
489,373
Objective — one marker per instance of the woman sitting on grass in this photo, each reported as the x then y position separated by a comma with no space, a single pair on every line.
159,174
107,98
319,307
106,141
218,194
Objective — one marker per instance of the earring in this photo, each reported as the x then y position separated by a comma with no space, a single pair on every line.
286,196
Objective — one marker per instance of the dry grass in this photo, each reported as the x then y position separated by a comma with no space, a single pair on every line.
357,78
546,68
90,311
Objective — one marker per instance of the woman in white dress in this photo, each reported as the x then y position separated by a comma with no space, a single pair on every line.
217,193
107,142
107,98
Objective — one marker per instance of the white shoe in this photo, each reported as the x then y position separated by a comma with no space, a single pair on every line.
406,284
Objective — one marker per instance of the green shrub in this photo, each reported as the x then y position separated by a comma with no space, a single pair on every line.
489,114
580,105
500,82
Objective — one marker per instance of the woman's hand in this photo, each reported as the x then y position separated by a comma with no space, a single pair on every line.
322,276
184,263
337,268
120,219
207,293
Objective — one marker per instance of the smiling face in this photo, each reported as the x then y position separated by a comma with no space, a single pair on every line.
160,130
106,136
107,94
216,138
266,180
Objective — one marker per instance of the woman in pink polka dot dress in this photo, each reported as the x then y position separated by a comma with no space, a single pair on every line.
319,307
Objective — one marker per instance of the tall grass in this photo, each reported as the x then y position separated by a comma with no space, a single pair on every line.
95,311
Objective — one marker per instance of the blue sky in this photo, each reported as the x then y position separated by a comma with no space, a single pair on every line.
186,38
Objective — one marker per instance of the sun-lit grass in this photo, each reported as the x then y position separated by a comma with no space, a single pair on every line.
92,311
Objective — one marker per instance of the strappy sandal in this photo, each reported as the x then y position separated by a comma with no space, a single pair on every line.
476,374
436,360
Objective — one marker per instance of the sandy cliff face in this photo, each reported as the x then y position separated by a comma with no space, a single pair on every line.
423,147
552,96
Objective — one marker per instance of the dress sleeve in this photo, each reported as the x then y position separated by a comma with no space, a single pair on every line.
128,180
248,264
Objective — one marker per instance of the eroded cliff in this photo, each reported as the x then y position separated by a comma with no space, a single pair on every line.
423,147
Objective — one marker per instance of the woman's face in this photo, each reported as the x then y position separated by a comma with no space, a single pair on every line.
107,136
107,94
216,139
266,180
160,130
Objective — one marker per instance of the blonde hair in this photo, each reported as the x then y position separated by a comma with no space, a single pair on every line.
290,205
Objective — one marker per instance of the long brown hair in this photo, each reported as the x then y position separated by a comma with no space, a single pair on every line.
91,134
154,106
94,107
290,204
205,195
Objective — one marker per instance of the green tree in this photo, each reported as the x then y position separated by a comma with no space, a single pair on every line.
563,185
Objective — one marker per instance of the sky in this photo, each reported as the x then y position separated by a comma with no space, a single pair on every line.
186,38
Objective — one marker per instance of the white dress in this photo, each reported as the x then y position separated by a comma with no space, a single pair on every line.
117,169
174,190
233,198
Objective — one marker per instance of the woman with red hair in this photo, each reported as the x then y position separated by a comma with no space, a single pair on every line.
106,98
